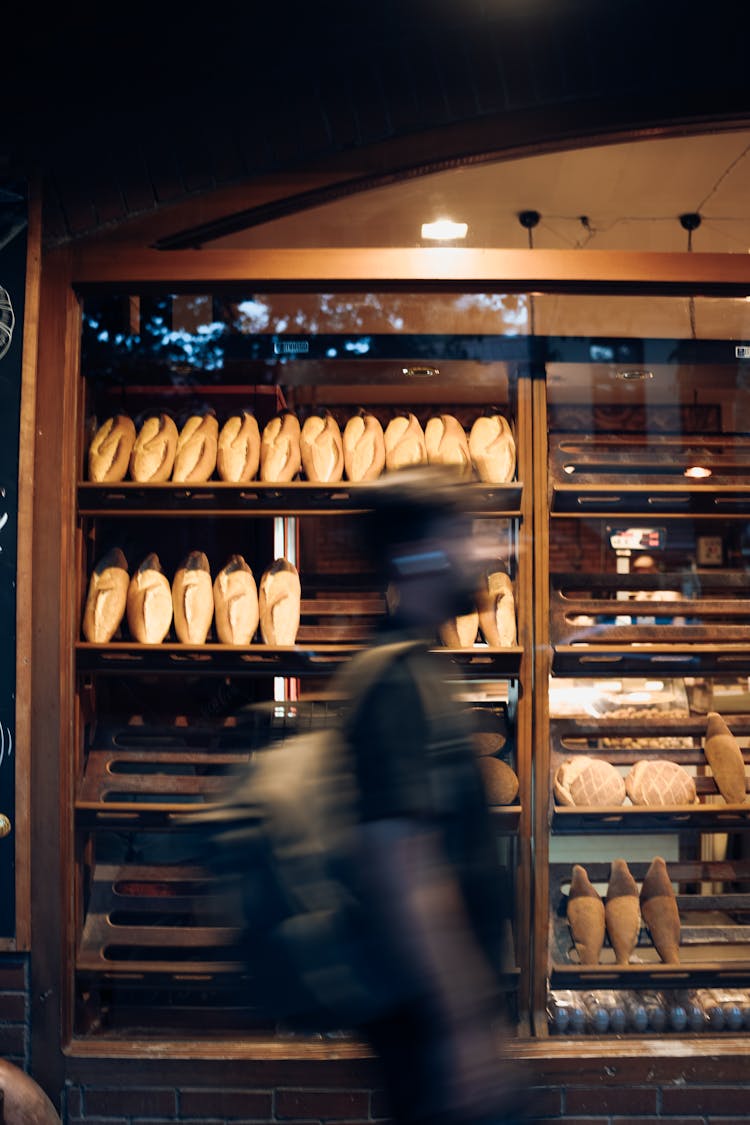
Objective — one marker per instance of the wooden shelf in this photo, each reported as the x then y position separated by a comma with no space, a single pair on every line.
635,818
655,659
651,500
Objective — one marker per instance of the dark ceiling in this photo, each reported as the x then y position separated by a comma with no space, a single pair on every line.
121,114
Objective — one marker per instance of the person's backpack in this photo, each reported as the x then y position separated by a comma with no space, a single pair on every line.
277,843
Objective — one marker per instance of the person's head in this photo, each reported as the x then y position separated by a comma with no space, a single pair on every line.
419,534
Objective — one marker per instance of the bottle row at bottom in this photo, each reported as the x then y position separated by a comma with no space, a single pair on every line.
619,1012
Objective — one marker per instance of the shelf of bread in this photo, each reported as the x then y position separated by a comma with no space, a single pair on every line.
668,474
674,924
649,775
297,497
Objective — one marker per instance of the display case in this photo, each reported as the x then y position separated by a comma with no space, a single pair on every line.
157,725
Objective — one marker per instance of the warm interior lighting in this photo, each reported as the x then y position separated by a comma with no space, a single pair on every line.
569,468
443,230
634,375
697,472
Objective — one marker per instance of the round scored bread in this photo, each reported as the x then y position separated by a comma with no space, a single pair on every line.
404,442
656,782
588,782
364,447
110,449
280,456
236,612
500,781
447,444
193,599
322,448
107,598
196,451
149,605
492,449
152,459
238,448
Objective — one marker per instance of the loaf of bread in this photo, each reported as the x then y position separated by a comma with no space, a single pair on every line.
497,609
486,742
589,782
110,449
236,612
622,911
152,459
364,447
322,448
193,599
280,457
404,442
660,913
492,449
107,598
460,632
724,756
238,451
446,444
585,913
500,781
149,605
197,448
655,782
279,603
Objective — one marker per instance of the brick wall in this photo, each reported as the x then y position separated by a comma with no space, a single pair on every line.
14,1011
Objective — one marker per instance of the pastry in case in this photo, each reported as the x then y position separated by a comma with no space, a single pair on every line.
364,447
196,451
110,449
193,599
404,442
238,449
152,459
280,457
322,448
149,604
492,449
447,444
279,603
236,612
107,597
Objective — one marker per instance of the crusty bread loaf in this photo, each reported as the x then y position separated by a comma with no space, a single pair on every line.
724,756
238,450
446,444
279,603
193,599
660,912
460,632
486,742
152,459
656,782
591,782
107,598
492,449
236,612
497,609
500,781
585,913
197,448
622,911
280,457
322,448
364,447
149,605
110,449
404,442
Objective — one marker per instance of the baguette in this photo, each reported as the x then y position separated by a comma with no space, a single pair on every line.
497,610
492,449
322,448
193,599
446,444
238,451
725,758
364,447
152,459
197,447
280,457
236,603
107,598
149,604
279,603
404,442
110,449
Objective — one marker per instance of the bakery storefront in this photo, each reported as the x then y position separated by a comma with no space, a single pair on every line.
613,376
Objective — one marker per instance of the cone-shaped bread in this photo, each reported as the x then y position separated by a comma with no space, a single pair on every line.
724,756
279,603
585,917
622,911
660,913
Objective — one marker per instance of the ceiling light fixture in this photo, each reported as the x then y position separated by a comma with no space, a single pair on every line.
444,230
697,472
